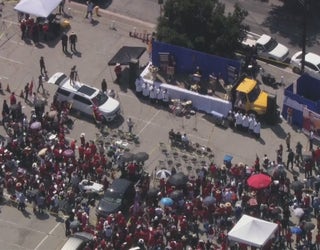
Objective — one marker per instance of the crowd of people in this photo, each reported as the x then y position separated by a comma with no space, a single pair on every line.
41,166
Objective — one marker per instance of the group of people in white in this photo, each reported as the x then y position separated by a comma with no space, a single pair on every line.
247,123
153,93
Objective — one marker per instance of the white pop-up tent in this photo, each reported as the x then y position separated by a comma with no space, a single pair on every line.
38,8
252,231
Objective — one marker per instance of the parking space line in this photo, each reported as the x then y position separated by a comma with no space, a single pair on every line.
46,237
149,122
10,60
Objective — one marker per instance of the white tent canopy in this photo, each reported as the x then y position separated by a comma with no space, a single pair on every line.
252,231
38,8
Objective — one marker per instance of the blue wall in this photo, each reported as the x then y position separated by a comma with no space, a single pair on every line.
308,94
187,60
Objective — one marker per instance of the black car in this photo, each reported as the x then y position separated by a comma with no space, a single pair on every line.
118,197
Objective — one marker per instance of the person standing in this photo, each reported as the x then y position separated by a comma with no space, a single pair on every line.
23,28
89,9
64,42
288,140
43,70
73,40
26,92
31,88
73,75
290,159
104,86
130,125
5,109
61,6
117,71
40,84
13,99
311,138
256,129
298,157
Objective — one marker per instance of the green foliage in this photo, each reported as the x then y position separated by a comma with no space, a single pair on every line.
202,25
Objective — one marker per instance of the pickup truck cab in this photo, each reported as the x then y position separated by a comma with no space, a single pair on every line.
267,47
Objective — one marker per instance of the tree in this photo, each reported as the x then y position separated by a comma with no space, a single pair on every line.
202,25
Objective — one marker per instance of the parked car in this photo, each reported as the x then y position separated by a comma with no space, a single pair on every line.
90,187
266,47
118,197
78,241
84,97
311,66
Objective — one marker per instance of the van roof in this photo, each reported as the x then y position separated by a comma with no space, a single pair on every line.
79,88
121,185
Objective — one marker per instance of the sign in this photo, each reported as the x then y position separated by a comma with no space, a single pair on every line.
311,121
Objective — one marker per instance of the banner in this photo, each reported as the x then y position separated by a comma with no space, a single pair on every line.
311,121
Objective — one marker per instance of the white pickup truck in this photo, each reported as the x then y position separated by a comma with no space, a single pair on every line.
266,47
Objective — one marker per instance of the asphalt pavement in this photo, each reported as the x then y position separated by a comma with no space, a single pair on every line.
98,42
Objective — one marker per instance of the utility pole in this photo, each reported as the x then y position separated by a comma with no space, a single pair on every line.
305,4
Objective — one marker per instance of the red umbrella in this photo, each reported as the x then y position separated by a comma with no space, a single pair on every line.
259,181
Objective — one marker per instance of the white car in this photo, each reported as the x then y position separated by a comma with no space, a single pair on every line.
267,47
311,66
84,97
90,187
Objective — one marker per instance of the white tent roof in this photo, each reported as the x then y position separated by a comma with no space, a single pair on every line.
39,8
252,231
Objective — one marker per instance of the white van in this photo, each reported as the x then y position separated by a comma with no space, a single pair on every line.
83,97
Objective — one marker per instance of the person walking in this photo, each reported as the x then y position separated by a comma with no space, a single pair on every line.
43,70
73,40
40,84
64,42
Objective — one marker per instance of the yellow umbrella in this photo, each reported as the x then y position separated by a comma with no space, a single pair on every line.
42,152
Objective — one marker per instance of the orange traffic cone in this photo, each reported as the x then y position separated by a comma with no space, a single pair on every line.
21,94
8,88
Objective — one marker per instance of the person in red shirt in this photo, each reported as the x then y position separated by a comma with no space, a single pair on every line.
298,239
309,237
73,145
81,152
13,99
131,169
318,240
289,238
